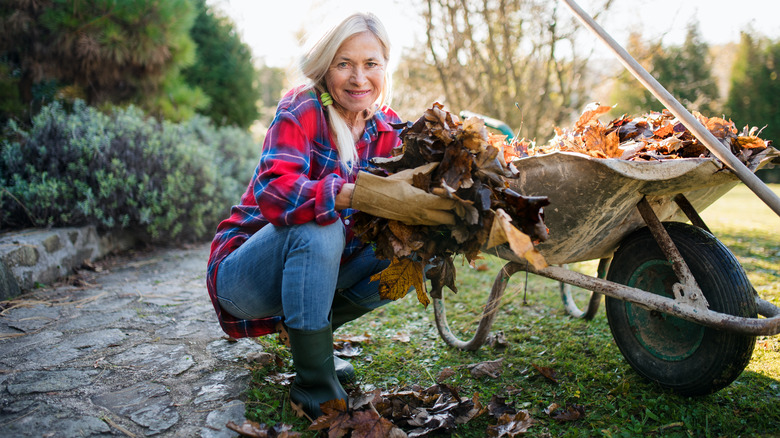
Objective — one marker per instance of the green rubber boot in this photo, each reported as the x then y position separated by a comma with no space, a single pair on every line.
342,312
315,375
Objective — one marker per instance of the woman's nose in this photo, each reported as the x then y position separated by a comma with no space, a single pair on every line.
358,75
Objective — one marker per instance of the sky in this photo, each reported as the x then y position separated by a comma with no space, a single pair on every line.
272,27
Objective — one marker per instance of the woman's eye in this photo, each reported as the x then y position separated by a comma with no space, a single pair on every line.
342,65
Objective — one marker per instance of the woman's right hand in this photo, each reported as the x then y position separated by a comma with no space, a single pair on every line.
344,197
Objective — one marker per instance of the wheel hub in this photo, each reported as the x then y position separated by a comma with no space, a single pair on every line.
664,336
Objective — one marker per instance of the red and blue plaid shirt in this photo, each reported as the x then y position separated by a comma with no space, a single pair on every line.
296,181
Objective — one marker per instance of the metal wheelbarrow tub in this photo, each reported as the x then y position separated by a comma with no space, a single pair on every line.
592,200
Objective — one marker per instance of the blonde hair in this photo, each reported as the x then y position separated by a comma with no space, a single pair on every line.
315,63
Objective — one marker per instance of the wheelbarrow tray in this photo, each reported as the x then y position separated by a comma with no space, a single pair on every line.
593,200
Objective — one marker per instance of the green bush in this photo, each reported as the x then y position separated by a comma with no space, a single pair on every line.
173,182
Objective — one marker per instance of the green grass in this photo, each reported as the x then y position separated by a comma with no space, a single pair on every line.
592,372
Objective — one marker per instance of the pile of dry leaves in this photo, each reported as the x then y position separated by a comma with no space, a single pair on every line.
652,136
472,172
417,411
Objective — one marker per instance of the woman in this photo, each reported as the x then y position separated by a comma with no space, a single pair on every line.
287,250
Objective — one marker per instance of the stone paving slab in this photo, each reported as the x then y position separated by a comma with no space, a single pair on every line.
136,352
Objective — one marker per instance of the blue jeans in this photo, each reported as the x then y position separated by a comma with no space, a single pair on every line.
294,271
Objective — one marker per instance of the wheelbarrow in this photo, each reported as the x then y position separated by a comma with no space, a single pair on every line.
678,303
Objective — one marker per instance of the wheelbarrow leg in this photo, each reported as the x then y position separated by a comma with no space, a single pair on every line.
570,306
488,314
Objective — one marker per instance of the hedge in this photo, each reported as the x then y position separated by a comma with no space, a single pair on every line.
122,170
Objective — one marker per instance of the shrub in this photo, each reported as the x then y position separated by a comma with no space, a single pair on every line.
173,182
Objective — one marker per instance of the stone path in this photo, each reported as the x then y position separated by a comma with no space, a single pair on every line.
137,351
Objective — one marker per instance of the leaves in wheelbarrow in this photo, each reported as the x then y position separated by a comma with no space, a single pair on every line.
472,171
650,137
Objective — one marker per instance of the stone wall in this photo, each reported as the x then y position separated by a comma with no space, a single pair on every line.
30,257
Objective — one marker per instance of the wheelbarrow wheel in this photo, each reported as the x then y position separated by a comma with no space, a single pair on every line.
681,355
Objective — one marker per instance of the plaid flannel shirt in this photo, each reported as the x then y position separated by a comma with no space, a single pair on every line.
296,181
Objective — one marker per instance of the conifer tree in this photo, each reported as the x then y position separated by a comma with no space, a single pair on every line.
223,70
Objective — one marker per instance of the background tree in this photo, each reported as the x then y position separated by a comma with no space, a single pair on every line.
273,84
627,94
106,51
685,71
415,84
223,70
754,95
512,60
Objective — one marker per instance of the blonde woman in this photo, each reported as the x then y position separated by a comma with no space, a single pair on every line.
287,252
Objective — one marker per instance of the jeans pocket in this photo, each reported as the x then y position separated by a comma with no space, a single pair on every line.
231,308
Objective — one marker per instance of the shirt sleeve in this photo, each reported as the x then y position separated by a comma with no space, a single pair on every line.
284,188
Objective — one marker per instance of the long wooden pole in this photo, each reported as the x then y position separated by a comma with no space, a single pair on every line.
687,119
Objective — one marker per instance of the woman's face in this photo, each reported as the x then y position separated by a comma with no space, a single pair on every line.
356,74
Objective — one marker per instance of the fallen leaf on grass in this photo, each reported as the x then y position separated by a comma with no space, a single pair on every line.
490,368
511,425
401,337
346,349
547,372
256,430
444,374
263,358
280,378
354,339
570,413
335,418
368,424
497,340
498,407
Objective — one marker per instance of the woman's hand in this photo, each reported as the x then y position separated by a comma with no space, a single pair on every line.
344,197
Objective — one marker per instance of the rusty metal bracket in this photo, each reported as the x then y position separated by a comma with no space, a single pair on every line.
687,290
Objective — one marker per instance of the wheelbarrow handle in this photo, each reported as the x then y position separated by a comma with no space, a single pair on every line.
690,122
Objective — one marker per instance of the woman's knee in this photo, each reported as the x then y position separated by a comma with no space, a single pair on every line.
325,240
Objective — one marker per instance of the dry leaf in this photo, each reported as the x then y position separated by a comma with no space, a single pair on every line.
503,231
547,372
396,279
511,425
445,374
335,418
490,368
571,413
257,430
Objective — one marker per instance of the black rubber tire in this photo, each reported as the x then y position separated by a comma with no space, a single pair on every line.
686,357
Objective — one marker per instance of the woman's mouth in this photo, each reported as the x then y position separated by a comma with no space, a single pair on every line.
358,93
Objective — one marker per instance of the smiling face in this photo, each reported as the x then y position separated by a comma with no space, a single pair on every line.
356,75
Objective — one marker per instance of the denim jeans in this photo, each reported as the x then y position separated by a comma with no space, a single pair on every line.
294,271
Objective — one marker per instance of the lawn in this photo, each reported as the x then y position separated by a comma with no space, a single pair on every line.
591,377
